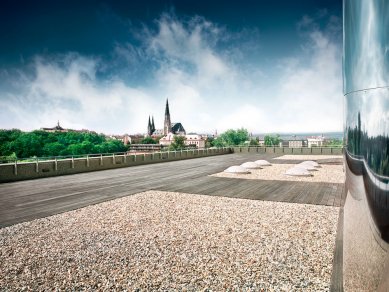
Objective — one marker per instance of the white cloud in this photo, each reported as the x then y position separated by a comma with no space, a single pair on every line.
72,94
310,95
206,87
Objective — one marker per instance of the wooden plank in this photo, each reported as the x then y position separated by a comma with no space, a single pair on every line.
27,199
331,199
327,193
338,196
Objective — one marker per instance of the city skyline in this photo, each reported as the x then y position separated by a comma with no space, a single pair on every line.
114,64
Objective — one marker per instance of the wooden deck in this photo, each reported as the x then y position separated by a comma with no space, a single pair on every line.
27,200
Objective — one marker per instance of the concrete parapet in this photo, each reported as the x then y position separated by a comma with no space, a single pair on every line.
30,170
287,150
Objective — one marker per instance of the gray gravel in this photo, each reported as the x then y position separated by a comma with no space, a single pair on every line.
173,241
327,173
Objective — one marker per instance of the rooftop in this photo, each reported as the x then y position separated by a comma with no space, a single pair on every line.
175,227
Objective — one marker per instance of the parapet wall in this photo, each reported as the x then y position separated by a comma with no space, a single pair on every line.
287,150
30,170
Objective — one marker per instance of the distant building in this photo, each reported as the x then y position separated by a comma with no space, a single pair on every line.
191,140
126,139
57,128
135,139
296,143
157,133
316,141
195,140
167,140
178,129
150,127
168,126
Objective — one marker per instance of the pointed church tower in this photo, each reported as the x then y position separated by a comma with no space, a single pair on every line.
149,129
152,125
167,125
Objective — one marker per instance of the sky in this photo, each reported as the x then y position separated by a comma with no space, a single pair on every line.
267,66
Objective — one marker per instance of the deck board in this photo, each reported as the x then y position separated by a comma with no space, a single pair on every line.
27,200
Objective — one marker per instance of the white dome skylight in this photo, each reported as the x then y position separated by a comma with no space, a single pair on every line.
298,171
263,162
307,166
236,169
250,164
312,163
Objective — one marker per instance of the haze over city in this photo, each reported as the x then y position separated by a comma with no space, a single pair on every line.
267,66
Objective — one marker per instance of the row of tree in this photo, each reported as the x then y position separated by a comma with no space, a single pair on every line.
228,138
38,143
241,137
18,144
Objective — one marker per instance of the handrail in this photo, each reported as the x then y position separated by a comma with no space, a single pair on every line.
87,156
92,155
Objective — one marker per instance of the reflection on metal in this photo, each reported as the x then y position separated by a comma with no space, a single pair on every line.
366,90
366,39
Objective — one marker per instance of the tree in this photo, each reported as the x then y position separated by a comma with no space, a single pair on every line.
218,142
148,140
53,149
334,142
209,142
234,137
254,142
178,143
41,143
271,140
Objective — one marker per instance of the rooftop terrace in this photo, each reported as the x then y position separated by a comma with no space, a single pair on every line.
168,235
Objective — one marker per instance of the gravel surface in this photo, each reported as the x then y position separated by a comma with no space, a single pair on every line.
308,157
173,241
327,173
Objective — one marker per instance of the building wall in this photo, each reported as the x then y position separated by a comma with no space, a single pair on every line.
295,144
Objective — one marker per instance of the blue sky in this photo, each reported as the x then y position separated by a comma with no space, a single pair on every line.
268,66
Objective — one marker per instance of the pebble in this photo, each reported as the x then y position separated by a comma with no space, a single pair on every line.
327,173
173,241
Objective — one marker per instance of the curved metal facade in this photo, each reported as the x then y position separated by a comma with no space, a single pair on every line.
366,128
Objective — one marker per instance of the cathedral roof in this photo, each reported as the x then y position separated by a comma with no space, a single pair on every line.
177,127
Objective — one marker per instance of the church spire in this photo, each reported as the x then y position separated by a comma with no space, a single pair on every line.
152,124
167,125
149,129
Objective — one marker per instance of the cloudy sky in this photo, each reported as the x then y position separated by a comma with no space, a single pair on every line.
268,66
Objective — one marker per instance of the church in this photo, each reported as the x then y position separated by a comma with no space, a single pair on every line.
168,126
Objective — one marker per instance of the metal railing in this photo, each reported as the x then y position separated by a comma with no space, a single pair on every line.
11,160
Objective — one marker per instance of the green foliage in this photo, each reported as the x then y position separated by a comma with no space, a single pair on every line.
232,138
271,140
40,143
254,142
209,142
335,142
218,142
148,140
178,143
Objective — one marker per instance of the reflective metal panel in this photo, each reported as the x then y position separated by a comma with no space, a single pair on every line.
366,89
366,44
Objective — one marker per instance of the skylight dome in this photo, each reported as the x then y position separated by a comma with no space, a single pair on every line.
250,165
236,169
298,171
307,166
263,162
312,163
